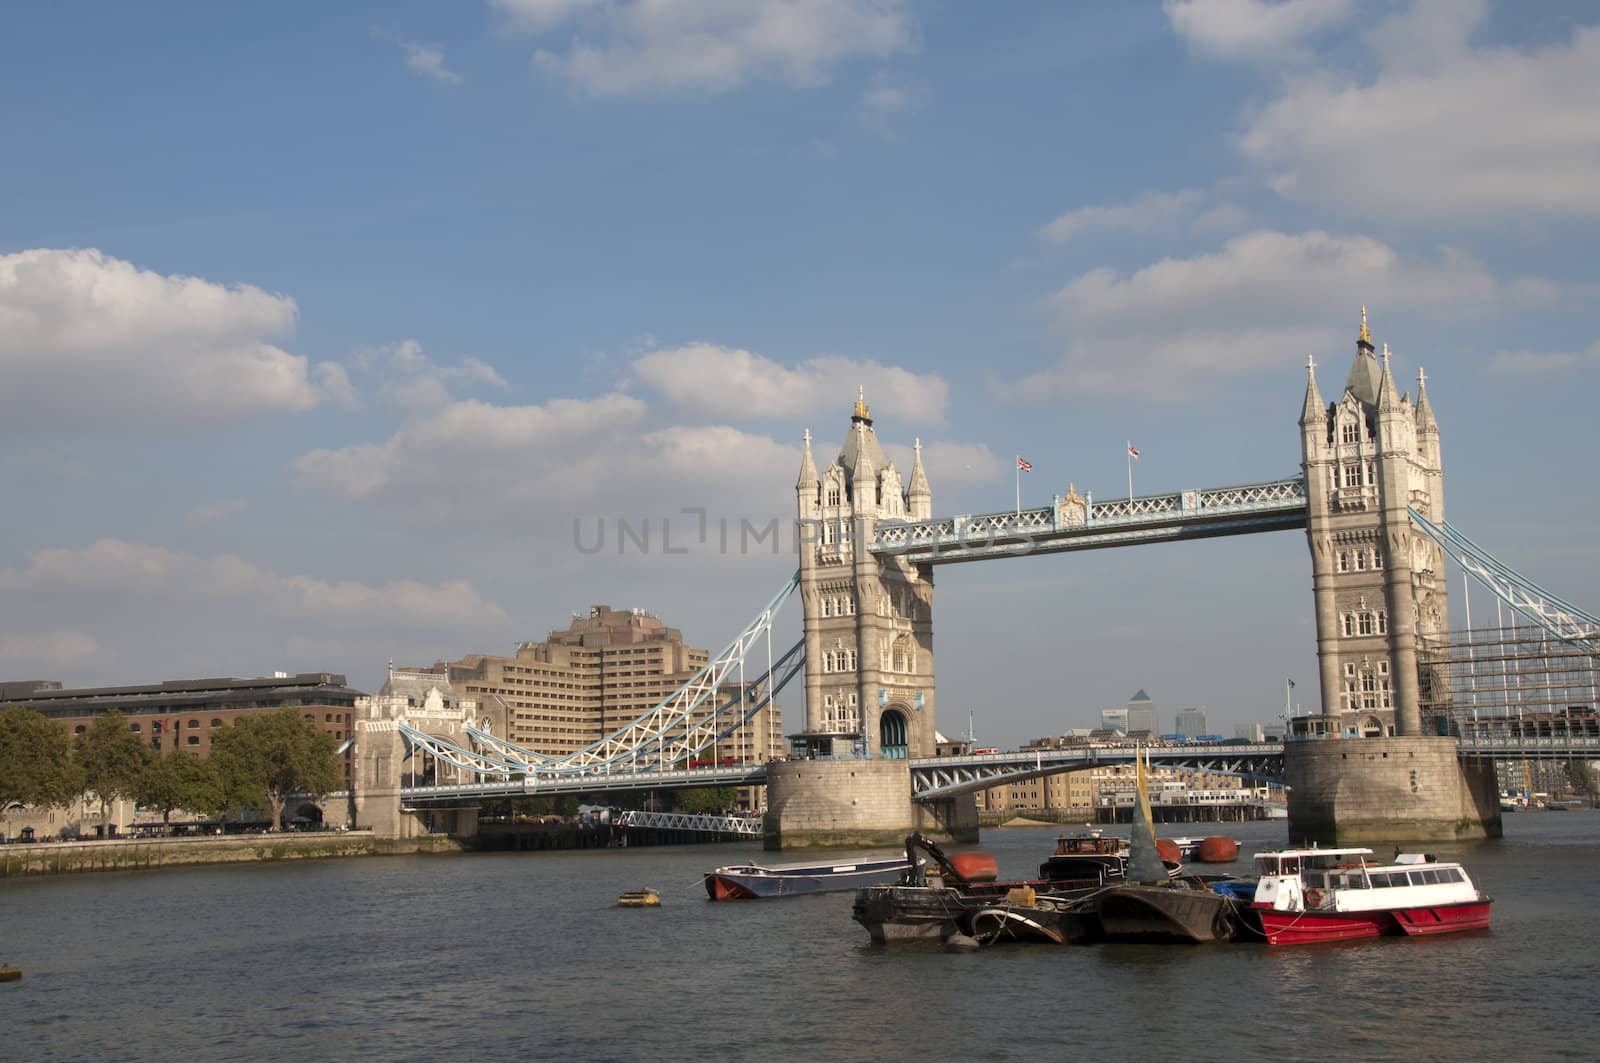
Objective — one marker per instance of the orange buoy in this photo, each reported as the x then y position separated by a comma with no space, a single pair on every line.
1168,851
1217,850
975,867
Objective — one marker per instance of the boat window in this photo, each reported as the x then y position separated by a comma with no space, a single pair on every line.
1416,878
1318,879
1291,865
1450,874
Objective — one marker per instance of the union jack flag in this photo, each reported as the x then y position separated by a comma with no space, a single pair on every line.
1132,452
1025,466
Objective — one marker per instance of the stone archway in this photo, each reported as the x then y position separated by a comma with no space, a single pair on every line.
894,731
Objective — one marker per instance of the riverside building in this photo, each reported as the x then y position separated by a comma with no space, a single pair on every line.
596,676
184,713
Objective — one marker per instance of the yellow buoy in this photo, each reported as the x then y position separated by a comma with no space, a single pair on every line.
645,898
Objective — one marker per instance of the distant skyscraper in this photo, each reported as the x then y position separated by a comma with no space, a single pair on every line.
1114,720
1141,712
1250,732
1192,722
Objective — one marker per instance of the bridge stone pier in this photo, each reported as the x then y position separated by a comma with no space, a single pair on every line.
1378,583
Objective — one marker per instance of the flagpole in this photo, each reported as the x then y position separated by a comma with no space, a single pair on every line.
1019,485
1130,470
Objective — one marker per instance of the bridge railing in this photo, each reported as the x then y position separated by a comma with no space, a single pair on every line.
1062,517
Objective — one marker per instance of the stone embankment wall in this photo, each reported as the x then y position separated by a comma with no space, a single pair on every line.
59,858
1365,791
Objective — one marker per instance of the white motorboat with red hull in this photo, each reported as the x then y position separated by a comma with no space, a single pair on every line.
1310,895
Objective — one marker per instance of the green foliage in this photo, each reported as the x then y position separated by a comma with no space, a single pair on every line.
180,780
109,758
35,760
261,760
1580,777
707,799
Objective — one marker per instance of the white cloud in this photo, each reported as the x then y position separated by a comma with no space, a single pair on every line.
536,16
427,60
1444,130
950,464
1181,325
411,380
518,448
887,100
1257,29
732,382
1153,210
49,650
209,513
112,566
92,342
1546,362
707,45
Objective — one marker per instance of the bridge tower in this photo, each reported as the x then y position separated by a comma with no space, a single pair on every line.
869,660
1378,581
868,619
1379,588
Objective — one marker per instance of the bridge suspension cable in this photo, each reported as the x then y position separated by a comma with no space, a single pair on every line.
1560,618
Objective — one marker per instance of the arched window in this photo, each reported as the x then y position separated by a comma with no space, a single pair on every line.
1344,561
1361,561
1349,624
1366,623
1350,432
1377,558
1383,623
827,606
851,665
215,722
892,735
904,660
833,494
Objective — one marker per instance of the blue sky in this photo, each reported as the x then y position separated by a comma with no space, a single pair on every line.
321,326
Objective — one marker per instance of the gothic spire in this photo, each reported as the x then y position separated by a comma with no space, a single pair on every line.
1425,421
808,467
1388,395
1364,382
861,413
1313,411
919,478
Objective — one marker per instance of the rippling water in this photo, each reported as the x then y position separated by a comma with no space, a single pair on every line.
523,955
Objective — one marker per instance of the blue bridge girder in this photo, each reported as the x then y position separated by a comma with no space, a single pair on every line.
933,778
1073,523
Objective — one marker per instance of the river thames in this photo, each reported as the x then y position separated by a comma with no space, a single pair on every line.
524,956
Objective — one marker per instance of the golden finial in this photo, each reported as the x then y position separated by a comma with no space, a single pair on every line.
861,403
1366,337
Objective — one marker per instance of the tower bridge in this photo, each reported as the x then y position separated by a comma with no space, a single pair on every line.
1370,501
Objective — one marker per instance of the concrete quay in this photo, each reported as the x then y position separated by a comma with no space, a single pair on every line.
139,854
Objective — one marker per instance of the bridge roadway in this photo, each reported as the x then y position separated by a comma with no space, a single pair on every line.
1080,523
937,777
931,777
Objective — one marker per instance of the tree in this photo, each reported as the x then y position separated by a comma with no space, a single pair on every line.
35,760
110,758
707,799
180,780
271,756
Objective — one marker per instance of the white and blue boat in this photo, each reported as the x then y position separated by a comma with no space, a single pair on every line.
750,881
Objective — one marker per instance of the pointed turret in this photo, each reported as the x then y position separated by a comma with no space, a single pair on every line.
1388,394
1364,373
808,467
1426,425
919,496
864,477
1313,412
